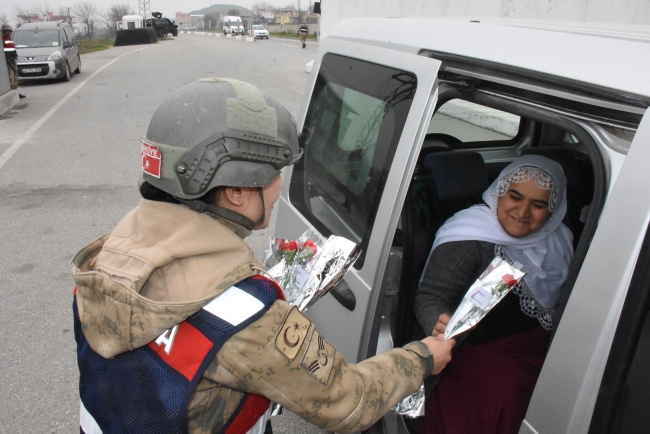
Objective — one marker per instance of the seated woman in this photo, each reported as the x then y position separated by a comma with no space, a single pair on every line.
488,384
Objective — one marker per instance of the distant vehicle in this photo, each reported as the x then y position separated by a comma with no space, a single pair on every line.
233,25
46,50
130,22
260,32
162,25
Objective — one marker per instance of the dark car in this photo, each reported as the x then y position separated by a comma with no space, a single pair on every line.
46,50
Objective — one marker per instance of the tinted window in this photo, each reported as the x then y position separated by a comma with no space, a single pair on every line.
470,122
354,122
36,38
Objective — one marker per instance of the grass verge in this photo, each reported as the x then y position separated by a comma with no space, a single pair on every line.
291,35
90,45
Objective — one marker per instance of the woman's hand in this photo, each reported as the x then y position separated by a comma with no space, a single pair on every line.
441,350
441,325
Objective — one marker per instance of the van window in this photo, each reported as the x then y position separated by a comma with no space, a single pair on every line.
470,122
64,37
354,122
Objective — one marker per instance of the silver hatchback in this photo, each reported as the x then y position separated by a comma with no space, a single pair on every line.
46,50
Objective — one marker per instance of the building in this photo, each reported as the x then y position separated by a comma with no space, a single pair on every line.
183,18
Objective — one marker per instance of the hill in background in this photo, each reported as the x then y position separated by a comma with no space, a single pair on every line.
223,10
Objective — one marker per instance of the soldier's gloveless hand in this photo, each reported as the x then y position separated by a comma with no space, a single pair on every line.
441,350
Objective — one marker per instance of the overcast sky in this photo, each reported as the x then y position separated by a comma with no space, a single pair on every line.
167,7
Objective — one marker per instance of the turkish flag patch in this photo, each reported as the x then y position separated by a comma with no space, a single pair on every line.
151,159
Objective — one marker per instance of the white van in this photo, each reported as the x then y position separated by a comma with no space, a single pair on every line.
233,25
378,103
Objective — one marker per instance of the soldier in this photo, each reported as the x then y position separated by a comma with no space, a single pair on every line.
303,31
177,330
10,56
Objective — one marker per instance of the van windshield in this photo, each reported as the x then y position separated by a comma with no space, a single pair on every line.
36,38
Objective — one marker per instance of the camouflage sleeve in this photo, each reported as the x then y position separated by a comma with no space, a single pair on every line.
283,357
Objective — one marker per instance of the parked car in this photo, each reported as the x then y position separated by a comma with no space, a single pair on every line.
259,32
46,50
378,103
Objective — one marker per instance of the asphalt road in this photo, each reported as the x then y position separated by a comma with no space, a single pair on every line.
69,170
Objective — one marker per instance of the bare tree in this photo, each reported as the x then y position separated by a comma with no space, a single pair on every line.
64,11
3,19
259,7
113,14
86,13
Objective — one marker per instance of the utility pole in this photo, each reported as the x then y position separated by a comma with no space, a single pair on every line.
144,8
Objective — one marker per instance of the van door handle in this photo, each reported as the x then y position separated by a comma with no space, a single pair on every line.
344,295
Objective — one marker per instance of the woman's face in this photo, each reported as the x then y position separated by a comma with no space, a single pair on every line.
523,209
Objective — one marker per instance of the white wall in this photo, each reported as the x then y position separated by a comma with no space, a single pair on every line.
596,11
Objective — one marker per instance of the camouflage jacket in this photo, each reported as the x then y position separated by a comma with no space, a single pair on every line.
163,262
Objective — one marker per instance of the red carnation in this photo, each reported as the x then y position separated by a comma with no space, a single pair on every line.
509,279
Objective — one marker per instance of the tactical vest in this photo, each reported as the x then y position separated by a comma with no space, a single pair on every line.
147,390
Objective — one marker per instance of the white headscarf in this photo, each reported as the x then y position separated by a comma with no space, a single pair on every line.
545,254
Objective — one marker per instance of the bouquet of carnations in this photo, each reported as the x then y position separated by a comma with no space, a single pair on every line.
289,261
309,267
488,290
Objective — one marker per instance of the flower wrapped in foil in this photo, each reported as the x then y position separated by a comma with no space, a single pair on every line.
336,257
413,405
488,290
289,261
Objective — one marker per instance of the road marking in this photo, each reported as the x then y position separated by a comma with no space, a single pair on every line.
292,46
27,134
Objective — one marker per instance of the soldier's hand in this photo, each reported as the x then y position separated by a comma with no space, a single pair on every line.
441,350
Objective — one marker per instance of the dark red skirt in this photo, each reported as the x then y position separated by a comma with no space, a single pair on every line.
486,388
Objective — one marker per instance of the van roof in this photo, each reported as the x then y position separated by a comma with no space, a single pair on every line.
41,25
610,56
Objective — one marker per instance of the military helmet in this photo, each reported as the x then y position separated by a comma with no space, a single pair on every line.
217,132
6,27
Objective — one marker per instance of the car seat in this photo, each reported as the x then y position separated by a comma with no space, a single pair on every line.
455,180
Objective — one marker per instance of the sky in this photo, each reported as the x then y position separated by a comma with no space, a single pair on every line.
167,7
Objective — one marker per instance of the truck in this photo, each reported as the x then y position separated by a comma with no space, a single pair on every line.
233,25
162,25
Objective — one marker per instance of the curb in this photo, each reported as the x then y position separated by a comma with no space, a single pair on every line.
8,101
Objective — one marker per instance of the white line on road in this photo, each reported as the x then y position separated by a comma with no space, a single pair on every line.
292,46
18,143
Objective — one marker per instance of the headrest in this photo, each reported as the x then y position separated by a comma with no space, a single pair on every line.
458,174
564,156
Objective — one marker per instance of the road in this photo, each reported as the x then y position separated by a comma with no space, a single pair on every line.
69,170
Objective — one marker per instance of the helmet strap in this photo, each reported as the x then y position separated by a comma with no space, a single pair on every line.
261,220
228,214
